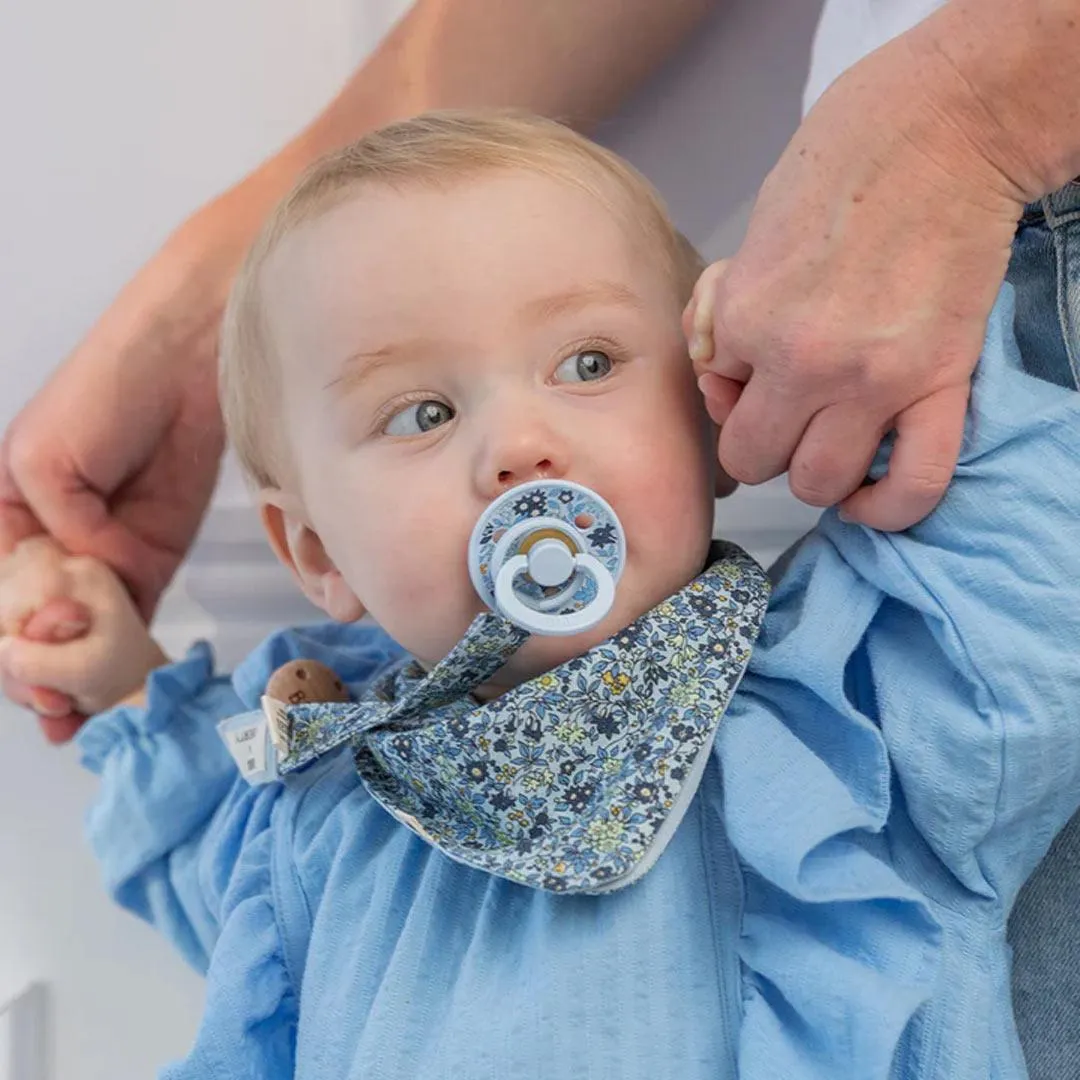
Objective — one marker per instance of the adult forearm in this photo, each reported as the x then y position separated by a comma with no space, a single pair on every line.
569,59
1009,81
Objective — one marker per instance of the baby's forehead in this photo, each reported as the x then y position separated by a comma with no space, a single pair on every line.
499,238
490,207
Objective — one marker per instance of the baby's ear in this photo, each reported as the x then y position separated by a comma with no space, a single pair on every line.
300,548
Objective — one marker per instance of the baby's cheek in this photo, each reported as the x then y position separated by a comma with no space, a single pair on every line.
670,514
673,476
421,593
679,524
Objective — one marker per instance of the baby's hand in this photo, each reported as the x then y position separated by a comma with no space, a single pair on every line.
95,670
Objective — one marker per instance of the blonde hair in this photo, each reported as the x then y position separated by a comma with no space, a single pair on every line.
431,149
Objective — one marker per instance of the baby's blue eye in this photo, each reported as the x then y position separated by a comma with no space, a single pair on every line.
418,418
587,366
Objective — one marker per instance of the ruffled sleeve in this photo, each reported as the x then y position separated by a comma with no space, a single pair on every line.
974,650
164,774
839,951
172,815
904,748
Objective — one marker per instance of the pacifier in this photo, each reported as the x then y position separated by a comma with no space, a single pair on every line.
546,555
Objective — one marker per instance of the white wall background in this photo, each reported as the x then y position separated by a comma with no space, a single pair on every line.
118,118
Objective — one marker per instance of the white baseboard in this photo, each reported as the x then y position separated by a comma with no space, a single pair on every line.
24,1035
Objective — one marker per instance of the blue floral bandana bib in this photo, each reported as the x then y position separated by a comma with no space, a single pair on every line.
574,781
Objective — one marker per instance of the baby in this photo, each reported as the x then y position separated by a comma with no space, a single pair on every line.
457,305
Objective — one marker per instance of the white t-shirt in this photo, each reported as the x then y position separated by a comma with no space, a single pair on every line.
850,29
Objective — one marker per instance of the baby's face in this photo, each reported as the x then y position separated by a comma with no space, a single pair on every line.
440,346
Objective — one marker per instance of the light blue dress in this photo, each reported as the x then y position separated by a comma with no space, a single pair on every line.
897,760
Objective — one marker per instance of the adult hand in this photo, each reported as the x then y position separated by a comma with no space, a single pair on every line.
858,302
117,455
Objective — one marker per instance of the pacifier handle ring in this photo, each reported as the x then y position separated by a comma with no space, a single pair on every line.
555,625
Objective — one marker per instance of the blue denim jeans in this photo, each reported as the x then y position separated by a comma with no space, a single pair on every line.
1044,930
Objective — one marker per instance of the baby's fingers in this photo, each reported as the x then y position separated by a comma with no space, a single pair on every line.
29,667
56,714
37,699
58,621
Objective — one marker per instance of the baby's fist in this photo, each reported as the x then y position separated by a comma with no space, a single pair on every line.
95,670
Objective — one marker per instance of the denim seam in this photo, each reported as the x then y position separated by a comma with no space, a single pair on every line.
1068,331
1056,220
1061,206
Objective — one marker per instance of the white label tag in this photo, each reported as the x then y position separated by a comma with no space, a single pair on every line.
274,711
248,740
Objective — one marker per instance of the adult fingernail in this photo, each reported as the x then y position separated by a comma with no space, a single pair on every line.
703,317
700,347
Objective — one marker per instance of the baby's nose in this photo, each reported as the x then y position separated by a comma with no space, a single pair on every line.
521,454
539,470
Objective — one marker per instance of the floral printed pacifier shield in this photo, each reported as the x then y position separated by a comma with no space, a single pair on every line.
574,781
547,555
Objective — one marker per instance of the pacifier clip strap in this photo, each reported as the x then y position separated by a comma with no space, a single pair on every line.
488,643
302,733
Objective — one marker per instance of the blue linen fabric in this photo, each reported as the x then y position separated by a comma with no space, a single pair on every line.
897,760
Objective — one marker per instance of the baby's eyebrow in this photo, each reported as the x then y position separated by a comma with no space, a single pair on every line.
362,364
580,296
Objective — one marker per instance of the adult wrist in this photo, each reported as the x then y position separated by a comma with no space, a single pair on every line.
1009,83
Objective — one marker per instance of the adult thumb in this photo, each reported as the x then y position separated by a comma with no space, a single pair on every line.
59,621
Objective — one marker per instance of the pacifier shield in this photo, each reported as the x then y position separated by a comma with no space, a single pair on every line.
553,523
